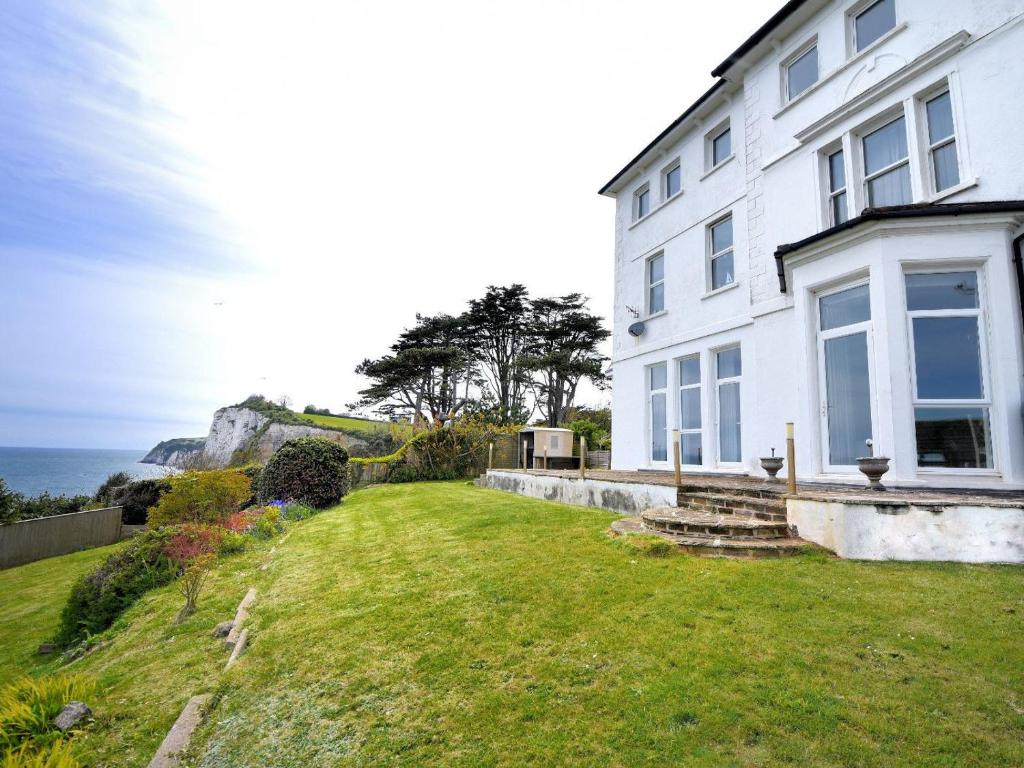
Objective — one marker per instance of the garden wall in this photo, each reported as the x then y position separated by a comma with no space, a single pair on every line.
628,498
30,540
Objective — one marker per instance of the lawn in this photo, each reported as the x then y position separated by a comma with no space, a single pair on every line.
441,624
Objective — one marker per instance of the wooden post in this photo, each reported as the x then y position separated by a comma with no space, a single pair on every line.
583,457
490,455
545,457
790,458
675,456
524,455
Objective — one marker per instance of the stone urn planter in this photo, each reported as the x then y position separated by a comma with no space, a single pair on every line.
874,467
772,465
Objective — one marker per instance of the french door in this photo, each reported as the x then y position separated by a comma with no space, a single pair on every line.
845,376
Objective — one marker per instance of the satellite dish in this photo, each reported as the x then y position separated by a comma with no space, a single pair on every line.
637,329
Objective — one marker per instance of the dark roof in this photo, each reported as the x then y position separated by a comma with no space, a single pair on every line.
675,123
917,210
751,42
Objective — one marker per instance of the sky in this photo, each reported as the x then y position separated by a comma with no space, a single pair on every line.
202,200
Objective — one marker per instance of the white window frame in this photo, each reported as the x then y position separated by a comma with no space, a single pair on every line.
851,25
675,165
986,379
651,285
699,431
644,188
709,144
826,173
790,60
866,327
718,404
877,124
712,255
928,148
651,392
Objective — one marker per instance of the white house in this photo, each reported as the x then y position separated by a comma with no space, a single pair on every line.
831,236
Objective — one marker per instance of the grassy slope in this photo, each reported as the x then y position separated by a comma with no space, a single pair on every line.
441,624
347,423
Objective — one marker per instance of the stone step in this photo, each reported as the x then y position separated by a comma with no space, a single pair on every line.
766,490
704,547
760,508
712,526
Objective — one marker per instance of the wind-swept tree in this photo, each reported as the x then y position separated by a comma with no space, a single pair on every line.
498,325
563,352
423,376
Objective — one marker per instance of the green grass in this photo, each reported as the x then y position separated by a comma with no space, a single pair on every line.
349,423
441,624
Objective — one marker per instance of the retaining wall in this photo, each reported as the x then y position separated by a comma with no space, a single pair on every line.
967,534
30,540
628,498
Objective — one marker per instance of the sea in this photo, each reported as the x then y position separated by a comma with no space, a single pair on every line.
70,471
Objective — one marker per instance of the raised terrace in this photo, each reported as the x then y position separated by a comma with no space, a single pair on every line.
747,516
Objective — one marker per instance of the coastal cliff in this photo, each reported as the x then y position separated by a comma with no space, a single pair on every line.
239,435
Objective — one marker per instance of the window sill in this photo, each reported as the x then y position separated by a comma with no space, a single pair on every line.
963,185
723,289
954,472
727,160
653,211
838,70
653,315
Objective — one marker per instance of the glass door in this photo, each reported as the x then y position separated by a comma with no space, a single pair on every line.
844,354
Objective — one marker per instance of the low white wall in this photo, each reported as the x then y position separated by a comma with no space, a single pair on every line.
968,534
628,498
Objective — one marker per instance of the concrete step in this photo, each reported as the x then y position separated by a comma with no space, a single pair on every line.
705,547
712,526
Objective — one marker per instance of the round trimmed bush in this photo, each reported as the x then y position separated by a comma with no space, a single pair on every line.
312,470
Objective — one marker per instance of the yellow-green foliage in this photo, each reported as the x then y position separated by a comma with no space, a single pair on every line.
28,706
56,755
208,496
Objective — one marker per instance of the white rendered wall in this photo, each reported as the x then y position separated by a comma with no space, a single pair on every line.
868,532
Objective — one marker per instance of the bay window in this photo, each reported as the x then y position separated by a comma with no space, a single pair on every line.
657,386
689,410
728,372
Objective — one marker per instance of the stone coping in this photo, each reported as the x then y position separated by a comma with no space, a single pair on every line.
824,492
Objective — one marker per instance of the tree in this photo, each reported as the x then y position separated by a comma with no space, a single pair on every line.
563,352
422,376
498,326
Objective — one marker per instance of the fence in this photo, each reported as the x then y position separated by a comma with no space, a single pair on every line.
30,540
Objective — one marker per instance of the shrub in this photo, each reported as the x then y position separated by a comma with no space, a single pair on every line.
257,522
312,470
233,543
253,472
56,755
137,497
98,598
201,497
28,707
10,504
193,549
45,505
596,437
297,511
111,486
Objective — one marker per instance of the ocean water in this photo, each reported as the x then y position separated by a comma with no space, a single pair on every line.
69,471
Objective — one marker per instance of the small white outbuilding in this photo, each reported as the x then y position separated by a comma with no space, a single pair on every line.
553,443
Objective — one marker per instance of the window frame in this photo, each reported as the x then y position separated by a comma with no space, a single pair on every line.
651,392
793,58
675,165
928,148
874,126
650,285
719,382
699,431
858,10
712,254
986,403
830,195
723,127
643,189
